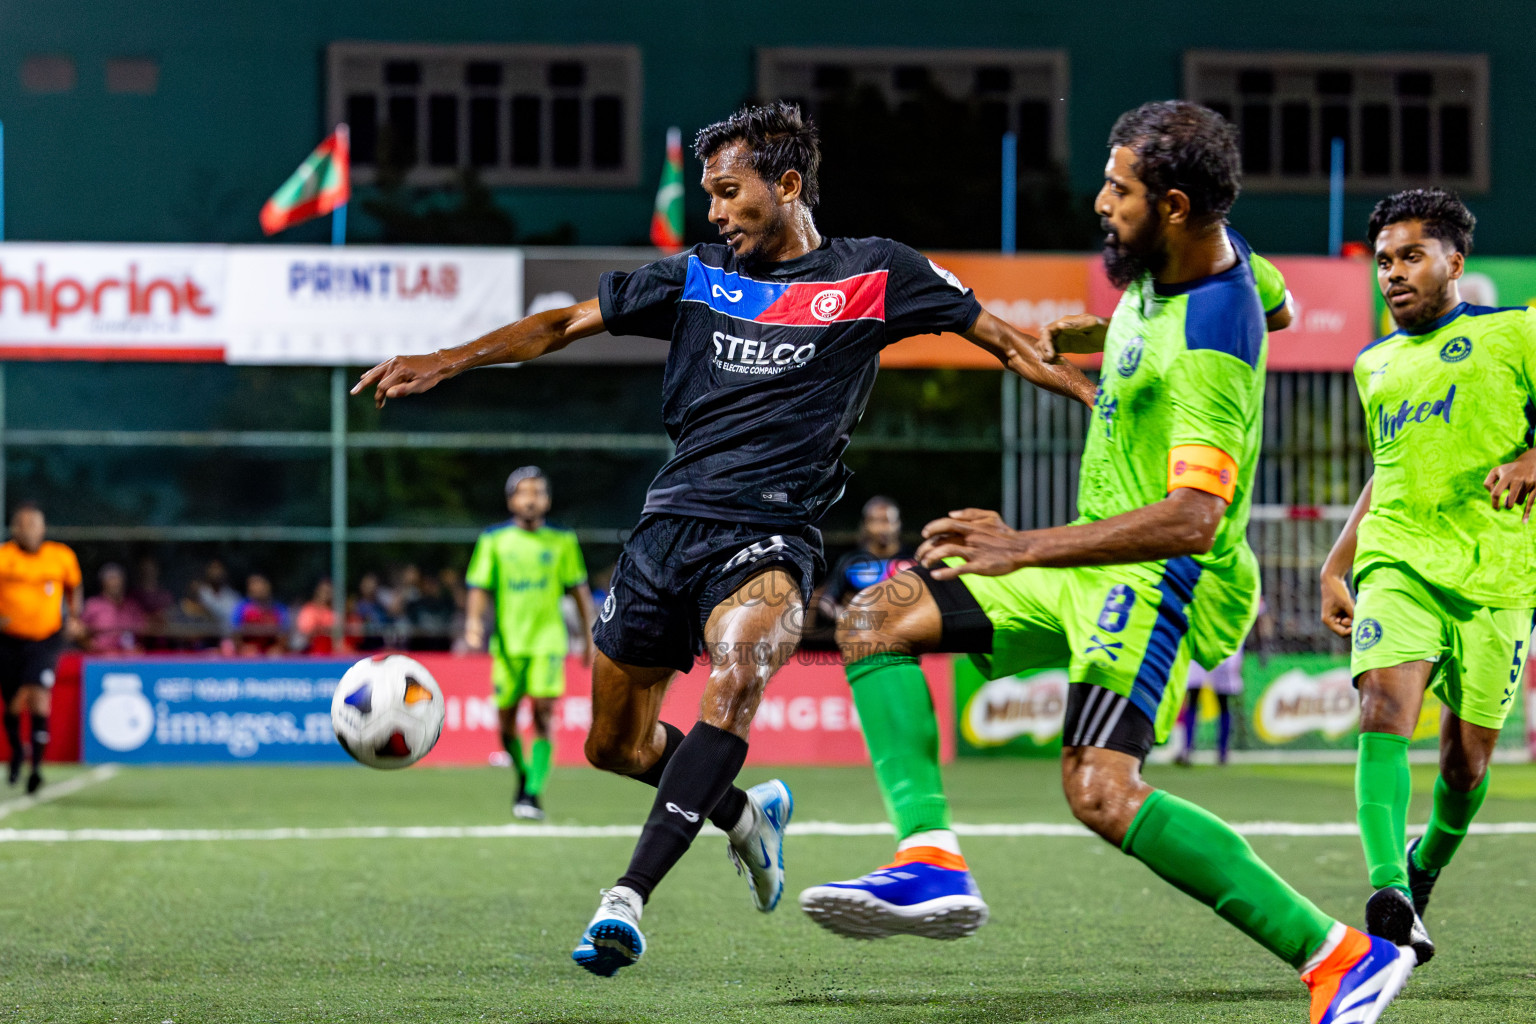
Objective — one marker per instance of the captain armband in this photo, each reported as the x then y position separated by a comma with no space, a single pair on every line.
1204,468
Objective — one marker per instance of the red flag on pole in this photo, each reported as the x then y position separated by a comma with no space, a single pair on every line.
667,218
321,184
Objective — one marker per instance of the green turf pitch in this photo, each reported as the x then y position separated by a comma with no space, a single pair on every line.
396,930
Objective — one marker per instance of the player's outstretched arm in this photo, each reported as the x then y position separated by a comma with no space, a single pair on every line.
528,338
1028,357
1184,523
1338,606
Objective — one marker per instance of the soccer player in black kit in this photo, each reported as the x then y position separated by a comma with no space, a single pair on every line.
776,335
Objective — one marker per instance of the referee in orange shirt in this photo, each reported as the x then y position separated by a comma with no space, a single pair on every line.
39,579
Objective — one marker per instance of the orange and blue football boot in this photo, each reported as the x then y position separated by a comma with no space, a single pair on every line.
926,891
1358,980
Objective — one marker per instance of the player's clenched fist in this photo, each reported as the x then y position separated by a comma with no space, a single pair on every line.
1338,605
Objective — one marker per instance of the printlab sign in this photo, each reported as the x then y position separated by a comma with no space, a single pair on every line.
200,711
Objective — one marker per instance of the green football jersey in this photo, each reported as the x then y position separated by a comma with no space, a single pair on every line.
1442,408
527,573
1180,403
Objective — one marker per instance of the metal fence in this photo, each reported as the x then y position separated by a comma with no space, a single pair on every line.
1314,460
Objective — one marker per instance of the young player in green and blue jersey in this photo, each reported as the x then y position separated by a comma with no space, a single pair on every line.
1444,564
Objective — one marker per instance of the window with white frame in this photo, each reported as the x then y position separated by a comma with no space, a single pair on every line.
1406,119
1024,91
518,115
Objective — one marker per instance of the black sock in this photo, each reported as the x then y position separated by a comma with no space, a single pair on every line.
699,774
726,813
39,738
13,734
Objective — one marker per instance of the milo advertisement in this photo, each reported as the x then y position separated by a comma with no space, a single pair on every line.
1016,716
1289,702
1309,702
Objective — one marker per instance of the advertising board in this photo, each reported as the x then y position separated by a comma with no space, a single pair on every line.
203,710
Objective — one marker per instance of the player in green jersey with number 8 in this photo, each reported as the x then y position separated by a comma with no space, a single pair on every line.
525,566
1444,564
1156,570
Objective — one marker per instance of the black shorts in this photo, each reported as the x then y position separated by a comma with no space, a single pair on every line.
674,570
27,662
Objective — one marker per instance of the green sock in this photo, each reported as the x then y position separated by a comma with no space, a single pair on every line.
513,745
1448,823
1382,786
1199,854
538,771
902,732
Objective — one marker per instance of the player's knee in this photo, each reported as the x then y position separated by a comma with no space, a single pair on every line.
1380,710
1463,777
612,755
867,626
734,692
1098,800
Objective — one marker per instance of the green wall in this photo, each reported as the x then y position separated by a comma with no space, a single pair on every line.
242,89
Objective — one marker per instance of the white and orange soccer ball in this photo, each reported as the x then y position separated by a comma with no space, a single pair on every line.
387,711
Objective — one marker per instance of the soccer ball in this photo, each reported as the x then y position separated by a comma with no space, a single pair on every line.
387,711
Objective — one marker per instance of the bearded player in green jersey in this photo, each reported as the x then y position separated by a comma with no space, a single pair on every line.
1444,563
1156,570
525,566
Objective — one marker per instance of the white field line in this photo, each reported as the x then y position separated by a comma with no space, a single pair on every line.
53,792
1031,830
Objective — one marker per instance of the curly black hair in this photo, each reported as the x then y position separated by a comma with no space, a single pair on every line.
1182,145
780,138
1442,212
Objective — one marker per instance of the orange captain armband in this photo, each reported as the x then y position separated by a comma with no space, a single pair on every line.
1204,468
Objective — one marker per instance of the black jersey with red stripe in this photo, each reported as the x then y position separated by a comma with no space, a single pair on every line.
771,365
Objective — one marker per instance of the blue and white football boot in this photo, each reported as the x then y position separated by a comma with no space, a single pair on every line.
760,856
1358,980
913,896
612,940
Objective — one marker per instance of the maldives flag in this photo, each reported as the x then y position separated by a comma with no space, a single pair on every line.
667,219
322,183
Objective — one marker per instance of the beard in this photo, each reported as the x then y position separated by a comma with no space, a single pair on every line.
1127,259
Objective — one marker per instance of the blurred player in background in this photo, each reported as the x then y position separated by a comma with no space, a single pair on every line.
39,586
776,334
1225,681
1156,570
879,556
1445,575
521,570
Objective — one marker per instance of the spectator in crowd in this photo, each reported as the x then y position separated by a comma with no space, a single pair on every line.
372,616
189,624
216,594
313,626
453,585
112,619
879,556
154,601
404,587
260,623
431,616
